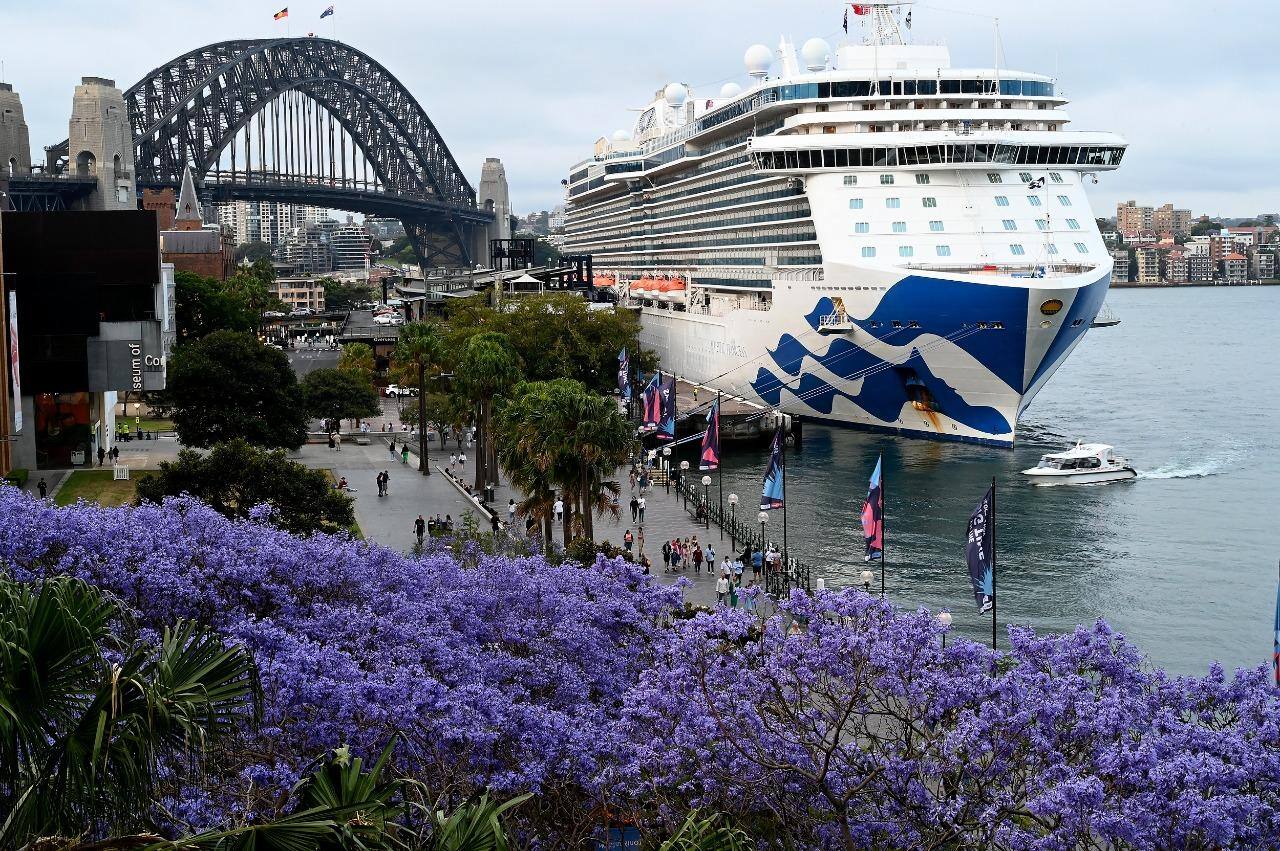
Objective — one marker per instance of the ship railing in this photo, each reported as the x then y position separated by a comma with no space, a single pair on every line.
834,320
791,573
1022,270
800,273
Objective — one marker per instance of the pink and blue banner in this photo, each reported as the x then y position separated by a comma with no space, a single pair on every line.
1275,648
667,409
652,406
873,516
979,552
772,497
709,459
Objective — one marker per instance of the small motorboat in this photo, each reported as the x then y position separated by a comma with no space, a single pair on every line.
1083,464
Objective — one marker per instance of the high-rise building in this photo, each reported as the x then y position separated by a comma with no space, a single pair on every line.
1120,271
1200,267
1148,266
1131,217
266,221
1235,267
309,249
350,247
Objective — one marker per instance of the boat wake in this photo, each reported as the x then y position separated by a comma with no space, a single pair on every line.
1207,467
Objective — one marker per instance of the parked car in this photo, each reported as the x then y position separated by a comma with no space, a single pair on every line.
389,319
300,311
272,314
397,390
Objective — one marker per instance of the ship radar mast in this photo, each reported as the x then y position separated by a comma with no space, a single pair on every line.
883,27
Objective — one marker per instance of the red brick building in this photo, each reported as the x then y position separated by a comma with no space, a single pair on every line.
189,244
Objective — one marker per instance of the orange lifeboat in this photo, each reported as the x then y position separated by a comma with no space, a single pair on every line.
677,283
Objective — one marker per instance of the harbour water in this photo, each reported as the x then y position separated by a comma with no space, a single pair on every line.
1182,560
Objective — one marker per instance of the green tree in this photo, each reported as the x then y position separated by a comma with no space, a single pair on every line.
228,385
92,721
419,349
254,251
343,295
335,394
236,477
204,305
489,366
358,358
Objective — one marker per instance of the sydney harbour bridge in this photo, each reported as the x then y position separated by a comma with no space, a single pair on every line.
306,121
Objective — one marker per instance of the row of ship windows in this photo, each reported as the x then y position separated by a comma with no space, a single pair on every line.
931,201
739,198
717,240
923,179
908,156
1016,249
937,226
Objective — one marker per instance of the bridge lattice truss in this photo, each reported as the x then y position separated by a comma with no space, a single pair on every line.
193,109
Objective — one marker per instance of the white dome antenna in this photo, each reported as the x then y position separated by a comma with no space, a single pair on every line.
816,53
758,59
621,136
675,95
730,90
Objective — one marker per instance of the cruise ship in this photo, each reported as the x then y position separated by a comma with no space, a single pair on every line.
863,235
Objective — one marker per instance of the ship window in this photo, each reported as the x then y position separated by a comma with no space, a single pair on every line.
868,251
855,203
1053,249
922,179
1076,324
850,180
1064,200
905,251
1082,248
1024,176
935,226
893,203
1002,201
944,250
842,156
1010,224
992,177
1073,224
1017,249
929,201
897,323
861,227
1033,200
1043,224
886,179
899,227
1055,177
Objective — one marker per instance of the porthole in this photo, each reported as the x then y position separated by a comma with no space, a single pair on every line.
1050,307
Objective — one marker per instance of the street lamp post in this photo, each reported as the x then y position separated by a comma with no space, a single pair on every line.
684,495
706,498
666,462
944,621
867,576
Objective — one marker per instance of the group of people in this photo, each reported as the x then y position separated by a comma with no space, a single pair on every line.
384,481
113,453
435,525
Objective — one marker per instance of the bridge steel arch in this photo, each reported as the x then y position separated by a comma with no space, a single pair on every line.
187,111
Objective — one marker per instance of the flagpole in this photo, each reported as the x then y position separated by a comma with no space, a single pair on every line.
993,562
884,526
786,565
719,466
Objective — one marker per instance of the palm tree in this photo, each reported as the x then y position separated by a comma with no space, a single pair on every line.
88,721
421,345
600,441
488,367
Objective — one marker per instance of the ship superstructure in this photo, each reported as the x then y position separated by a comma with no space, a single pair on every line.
873,237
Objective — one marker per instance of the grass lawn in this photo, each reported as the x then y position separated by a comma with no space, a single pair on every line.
354,528
97,486
147,424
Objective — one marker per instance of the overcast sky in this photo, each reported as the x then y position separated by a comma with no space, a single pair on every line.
1191,85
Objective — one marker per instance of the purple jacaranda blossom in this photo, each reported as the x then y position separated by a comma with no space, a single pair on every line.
838,722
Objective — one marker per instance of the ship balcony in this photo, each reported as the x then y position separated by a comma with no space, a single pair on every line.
1008,270
835,323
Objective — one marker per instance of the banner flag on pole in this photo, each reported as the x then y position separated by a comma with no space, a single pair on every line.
978,552
667,397
326,13
624,376
873,516
1275,648
652,407
772,497
710,457
283,13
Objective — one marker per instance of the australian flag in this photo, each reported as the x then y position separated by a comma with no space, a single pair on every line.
326,13
624,376
772,497
652,407
873,516
667,410
979,552
710,457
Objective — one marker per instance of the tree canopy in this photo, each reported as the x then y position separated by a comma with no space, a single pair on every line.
254,251
228,385
235,478
336,394
204,305
344,295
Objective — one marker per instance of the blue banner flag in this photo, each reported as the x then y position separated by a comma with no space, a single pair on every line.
624,376
1275,648
772,496
326,13
873,516
667,398
710,457
652,407
979,552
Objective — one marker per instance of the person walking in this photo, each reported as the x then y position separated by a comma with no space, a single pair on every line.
711,558
640,542
462,461
628,540
511,511
420,527
726,566
43,488
697,559
393,446
666,556
331,442
733,595
635,503
404,454
722,588
640,509
749,596
757,562
453,460
386,483
102,455
381,487
737,572
115,454
559,509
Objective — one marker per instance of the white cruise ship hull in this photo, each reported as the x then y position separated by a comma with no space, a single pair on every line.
919,353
